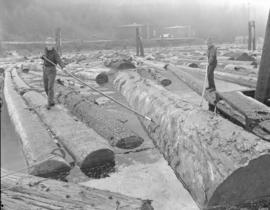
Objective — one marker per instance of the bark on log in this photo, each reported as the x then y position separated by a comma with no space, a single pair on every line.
209,154
37,144
87,148
263,84
254,111
102,121
155,75
24,192
234,105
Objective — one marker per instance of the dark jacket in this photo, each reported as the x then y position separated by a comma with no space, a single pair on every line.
212,55
53,56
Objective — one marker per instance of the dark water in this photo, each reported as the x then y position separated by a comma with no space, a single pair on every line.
12,157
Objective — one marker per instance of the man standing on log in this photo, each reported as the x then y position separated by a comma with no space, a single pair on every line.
49,69
212,63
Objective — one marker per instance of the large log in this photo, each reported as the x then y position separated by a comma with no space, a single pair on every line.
101,120
24,192
237,79
218,162
263,84
248,81
37,144
211,97
234,105
88,149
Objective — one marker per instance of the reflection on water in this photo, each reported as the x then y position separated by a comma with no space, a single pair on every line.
12,157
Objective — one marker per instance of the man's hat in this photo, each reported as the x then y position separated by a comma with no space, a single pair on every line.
50,40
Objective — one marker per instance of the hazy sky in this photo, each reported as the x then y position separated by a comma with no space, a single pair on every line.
32,19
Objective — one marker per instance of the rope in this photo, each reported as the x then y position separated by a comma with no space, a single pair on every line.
109,97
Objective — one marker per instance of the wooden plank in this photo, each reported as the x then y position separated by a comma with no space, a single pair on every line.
37,144
24,192
88,149
208,154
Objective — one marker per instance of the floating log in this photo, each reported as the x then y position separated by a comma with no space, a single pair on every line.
208,154
155,75
154,71
119,64
237,79
24,192
236,106
37,144
254,111
101,120
88,149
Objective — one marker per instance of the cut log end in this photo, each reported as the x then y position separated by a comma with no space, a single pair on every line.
102,78
246,183
54,167
165,82
2,70
98,163
130,142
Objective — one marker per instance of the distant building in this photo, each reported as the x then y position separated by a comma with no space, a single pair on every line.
177,32
127,32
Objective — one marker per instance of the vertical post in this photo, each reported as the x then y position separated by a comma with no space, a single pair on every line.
58,40
148,31
137,41
262,93
141,47
253,35
1,47
249,35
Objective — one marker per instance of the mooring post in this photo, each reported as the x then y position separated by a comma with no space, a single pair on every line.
58,40
251,35
262,93
137,42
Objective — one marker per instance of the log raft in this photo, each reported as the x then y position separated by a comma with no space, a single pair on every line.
38,146
23,192
88,149
208,154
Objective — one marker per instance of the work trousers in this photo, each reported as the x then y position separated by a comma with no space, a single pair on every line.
210,75
49,74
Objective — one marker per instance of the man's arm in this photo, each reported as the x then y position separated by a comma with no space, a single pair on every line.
212,55
58,60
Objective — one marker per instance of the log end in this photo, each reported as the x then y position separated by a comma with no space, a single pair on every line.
130,142
102,78
245,184
2,70
98,163
165,82
53,167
